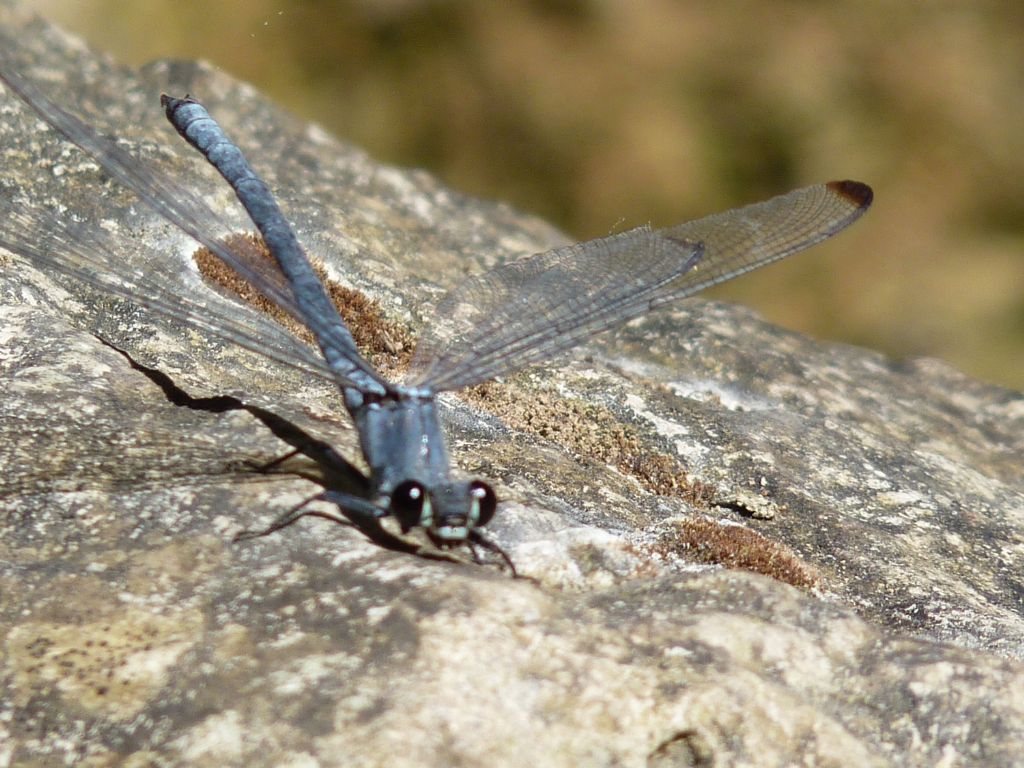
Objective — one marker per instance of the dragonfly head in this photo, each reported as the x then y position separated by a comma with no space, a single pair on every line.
448,514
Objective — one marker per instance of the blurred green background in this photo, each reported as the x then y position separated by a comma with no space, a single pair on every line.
604,114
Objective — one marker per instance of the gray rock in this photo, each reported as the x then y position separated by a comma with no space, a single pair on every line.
747,548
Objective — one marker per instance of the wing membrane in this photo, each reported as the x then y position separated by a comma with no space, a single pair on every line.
532,309
83,251
521,313
65,252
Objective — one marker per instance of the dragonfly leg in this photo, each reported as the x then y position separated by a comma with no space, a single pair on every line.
476,538
365,516
292,515
355,511
267,466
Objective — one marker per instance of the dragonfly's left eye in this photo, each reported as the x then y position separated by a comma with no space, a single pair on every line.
411,506
484,502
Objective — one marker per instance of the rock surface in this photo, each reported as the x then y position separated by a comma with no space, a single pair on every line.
870,513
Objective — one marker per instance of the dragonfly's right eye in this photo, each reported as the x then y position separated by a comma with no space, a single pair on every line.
410,505
484,502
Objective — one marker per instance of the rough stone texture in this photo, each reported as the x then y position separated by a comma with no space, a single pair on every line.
134,631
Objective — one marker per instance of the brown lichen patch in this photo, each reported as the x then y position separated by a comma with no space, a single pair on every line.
592,432
110,668
735,546
387,344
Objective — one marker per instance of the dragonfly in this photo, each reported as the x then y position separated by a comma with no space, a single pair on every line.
522,312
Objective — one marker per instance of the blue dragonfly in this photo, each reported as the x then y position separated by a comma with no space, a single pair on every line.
520,313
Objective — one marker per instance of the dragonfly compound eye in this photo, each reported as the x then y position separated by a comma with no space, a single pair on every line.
484,502
410,505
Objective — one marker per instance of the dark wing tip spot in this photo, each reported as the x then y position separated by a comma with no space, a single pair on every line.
856,192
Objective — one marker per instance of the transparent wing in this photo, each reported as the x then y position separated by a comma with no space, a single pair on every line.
744,239
531,309
179,206
60,244
175,204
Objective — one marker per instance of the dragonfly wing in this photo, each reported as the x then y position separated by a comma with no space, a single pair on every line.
531,309
168,198
744,239
175,204
83,251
